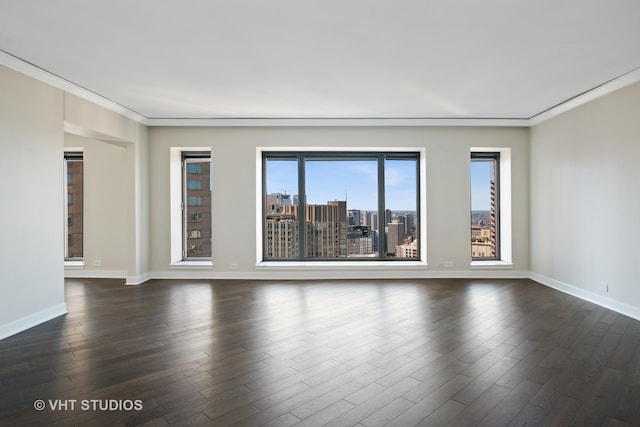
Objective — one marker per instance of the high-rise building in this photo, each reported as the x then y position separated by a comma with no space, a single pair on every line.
395,236
370,219
388,216
355,217
326,230
409,221
281,236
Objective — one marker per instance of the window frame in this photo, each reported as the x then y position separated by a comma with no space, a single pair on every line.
318,154
72,155
176,261
194,158
494,158
505,205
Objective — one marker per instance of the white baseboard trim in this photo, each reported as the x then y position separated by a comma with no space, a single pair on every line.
32,320
95,274
137,280
611,304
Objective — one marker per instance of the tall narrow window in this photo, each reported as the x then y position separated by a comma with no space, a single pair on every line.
281,213
73,188
340,206
196,206
485,212
401,206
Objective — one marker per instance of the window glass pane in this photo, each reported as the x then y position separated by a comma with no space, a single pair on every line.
281,240
194,200
194,184
340,195
197,212
401,208
484,212
194,168
74,209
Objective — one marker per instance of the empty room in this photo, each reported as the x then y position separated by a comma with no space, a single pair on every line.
355,213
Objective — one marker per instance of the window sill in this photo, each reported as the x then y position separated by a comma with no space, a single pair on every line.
491,265
74,265
191,265
341,265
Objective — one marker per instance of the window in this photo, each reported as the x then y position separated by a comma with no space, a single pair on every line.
340,205
195,168
73,189
485,206
194,200
194,184
196,206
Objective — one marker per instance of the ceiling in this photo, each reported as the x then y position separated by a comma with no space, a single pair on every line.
331,59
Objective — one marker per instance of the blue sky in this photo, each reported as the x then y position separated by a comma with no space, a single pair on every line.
480,191
357,179
331,180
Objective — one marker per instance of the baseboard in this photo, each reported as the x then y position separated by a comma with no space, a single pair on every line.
611,304
32,320
95,274
138,280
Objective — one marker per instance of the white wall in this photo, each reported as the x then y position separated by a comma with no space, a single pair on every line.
234,193
31,203
585,201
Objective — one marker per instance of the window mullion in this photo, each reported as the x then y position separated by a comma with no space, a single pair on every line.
302,200
382,237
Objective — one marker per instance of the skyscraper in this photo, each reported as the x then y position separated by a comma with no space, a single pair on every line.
395,236
326,230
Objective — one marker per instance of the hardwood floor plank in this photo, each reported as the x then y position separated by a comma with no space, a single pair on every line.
529,416
431,403
511,405
475,412
387,413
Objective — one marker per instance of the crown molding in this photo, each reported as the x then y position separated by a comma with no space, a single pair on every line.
371,122
35,72
588,96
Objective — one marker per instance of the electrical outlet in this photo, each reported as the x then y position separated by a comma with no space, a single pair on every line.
97,263
603,287
233,266
448,264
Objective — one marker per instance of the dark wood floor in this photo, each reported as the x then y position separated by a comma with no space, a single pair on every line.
338,353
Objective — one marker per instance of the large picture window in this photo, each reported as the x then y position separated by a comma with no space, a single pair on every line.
340,205
73,189
485,206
